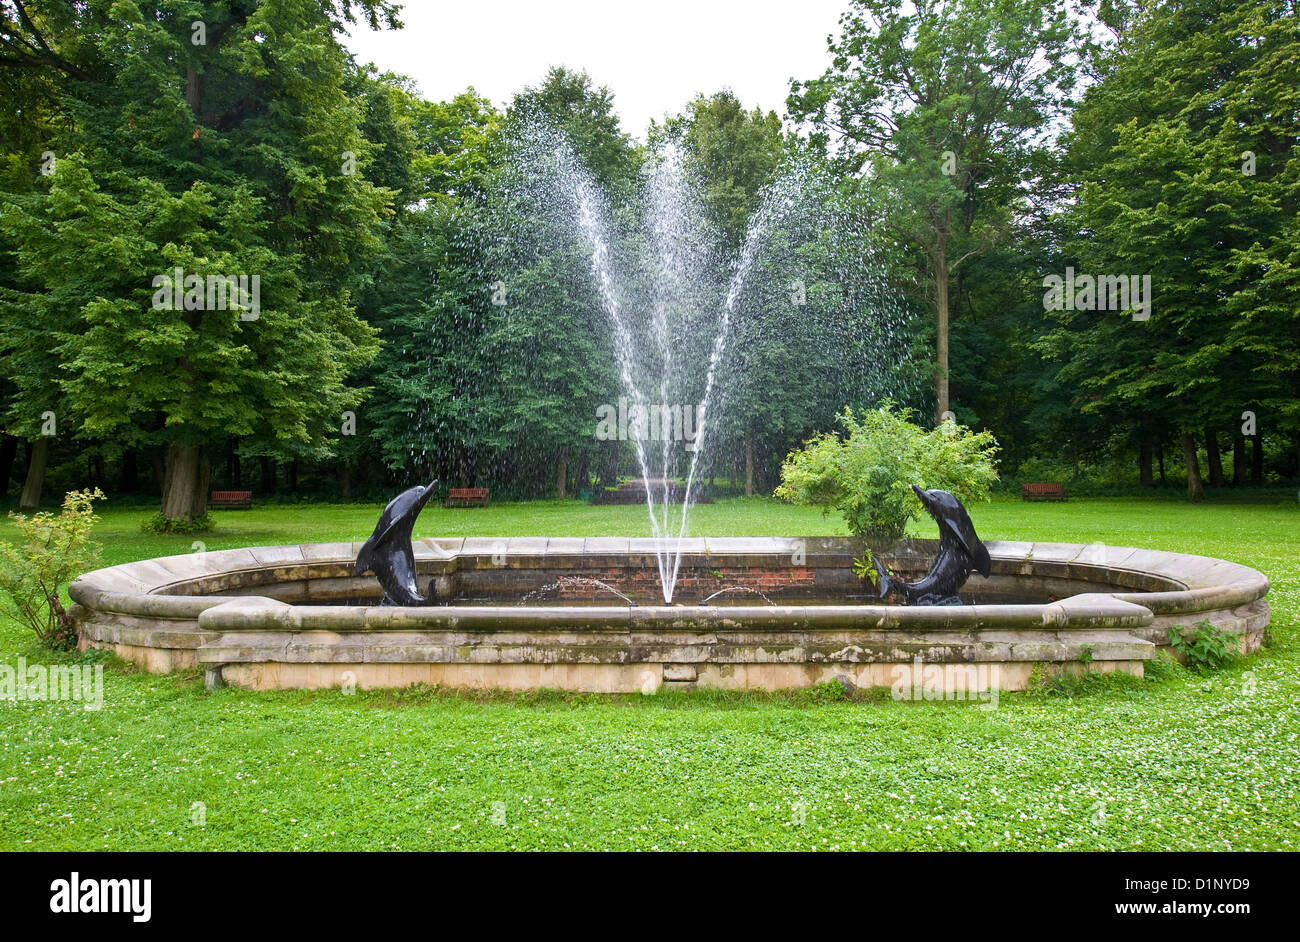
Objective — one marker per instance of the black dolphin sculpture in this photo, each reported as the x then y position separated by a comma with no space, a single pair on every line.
389,553
960,553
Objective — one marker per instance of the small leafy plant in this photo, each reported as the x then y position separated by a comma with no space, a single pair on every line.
829,690
1204,647
50,552
864,567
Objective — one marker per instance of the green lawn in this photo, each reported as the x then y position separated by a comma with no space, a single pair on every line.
1178,761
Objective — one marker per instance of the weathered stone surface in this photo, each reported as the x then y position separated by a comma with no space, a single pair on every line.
221,609
438,547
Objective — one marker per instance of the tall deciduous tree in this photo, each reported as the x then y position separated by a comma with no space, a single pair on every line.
47,50
735,152
434,380
945,105
223,144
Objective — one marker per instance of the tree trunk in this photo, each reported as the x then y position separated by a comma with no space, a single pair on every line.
40,454
194,91
345,481
1160,450
1146,451
293,476
185,486
1213,458
562,473
749,463
1256,459
582,474
1145,456
268,475
1195,487
237,471
8,452
129,480
941,329
1238,459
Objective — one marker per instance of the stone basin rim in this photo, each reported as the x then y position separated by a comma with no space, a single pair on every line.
263,625
142,587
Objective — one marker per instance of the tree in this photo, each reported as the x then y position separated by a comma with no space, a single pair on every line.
735,152
224,147
46,50
585,113
944,106
552,335
1185,159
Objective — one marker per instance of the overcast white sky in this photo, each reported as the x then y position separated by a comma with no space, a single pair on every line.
654,56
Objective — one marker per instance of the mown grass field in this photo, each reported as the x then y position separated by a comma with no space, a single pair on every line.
1177,761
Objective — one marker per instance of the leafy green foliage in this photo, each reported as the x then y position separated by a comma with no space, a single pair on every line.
868,474
735,151
1203,647
228,156
159,523
941,106
224,158
1185,164
585,112
864,567
50,551
1056,682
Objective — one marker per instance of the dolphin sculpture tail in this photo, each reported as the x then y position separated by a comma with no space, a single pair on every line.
389,554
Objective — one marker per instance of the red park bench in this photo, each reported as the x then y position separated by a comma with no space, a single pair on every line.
233,500
467,497
1048,490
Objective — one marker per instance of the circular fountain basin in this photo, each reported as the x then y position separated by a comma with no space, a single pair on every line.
275,617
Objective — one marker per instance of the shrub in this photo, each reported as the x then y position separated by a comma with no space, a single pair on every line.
160,524
868,475
51,551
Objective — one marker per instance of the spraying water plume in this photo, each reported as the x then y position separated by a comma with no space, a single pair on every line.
673,290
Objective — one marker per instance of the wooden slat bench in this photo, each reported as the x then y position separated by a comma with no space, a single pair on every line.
231,500
1047,490
467,497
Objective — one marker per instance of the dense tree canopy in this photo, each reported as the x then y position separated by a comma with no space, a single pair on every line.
1186,167
419,312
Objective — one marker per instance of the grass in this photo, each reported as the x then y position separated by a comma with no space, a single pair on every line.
1177,761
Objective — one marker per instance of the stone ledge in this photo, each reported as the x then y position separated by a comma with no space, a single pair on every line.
159,613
